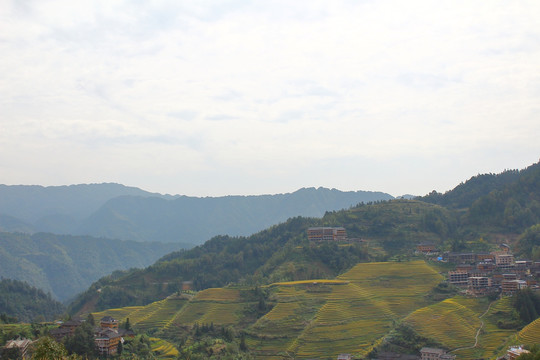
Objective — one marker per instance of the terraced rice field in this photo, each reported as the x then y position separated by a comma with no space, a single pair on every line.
163,349
350,315
219,294
449,322
154,315
401,285
530,334
120,314
220,306
492,341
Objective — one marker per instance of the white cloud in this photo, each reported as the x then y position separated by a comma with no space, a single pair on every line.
252,94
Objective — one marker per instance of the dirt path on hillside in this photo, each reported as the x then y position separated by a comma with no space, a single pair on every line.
477,332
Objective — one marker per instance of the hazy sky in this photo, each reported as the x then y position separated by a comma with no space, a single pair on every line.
248,97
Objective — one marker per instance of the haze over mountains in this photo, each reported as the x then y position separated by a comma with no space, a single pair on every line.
128,213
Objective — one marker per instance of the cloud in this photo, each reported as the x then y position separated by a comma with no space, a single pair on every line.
259,87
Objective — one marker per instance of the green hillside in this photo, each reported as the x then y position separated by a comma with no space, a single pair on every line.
26,303
354,313
65,265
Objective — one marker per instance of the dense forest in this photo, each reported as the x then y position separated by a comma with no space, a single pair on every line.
26,303
65,265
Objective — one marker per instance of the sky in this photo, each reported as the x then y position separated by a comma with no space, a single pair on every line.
213,98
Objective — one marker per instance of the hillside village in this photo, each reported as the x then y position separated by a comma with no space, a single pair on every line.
495,274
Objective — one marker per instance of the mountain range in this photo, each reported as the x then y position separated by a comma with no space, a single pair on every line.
128,213
503,211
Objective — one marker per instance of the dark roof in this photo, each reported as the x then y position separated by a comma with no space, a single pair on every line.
108,319
108,333
73,322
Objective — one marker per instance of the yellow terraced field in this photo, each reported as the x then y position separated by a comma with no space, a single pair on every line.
219,294
119,314
311,282
162,315
449,322
399,285
493,341
530,334
349,315
163,349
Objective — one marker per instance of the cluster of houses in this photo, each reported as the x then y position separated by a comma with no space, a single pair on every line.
107,335
484,273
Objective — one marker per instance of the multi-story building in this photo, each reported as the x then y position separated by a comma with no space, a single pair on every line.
479,284
459,278
502,260
426,248
108,322
106,341
511,286
461,258
327,234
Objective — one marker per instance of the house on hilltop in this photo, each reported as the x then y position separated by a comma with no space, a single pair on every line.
327,234
426,248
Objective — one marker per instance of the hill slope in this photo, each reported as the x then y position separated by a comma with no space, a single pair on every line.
279,253
195,220
65,265
26,302
317,318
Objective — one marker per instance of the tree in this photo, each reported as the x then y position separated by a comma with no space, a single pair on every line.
90,319
82,341
127,325
48,349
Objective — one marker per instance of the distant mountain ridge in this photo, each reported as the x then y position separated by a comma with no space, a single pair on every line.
57,209
127,213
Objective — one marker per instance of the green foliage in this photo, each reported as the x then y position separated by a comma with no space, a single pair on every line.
140,346
527,304
82,341
22,302
65,265
47,349
463,195
528,244
514,206
534,353
404,339
442,291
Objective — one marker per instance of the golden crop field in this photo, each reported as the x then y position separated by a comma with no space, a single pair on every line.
163,349
351,314
120,314
449,322
219,294
530,334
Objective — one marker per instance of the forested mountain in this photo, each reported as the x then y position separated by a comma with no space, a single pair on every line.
26,303
282,252
65,265
279,253
195,220
128,213
58,209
